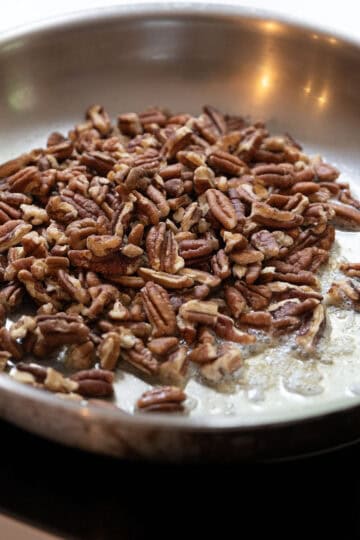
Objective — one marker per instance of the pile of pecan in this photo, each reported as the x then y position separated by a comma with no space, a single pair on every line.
163,241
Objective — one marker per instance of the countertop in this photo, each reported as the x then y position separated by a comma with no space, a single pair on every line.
82,496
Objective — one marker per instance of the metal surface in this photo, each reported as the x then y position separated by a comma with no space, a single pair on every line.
298,79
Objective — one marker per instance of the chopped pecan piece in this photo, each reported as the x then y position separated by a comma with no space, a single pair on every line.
174,369
62,329
169,281
203,312
163,345
222,208
272,217
343,293
141,358
226,364
12,232
310,333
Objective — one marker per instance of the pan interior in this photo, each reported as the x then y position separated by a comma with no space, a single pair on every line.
296,80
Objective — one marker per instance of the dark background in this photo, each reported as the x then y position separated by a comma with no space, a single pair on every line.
84,496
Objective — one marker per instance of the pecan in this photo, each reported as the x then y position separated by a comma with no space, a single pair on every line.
204,179
199,276
162,399
113,264
163,345
272,217
12,232
14,165
226,364
246,256
80,356
130,124
100,162
4,358
204,353
220,264
226,329
280,176
226,163
343,293
62,329
235,301
351,269
109,350
136,234
158,309
159,200
103,245
9,344
196,311
256,318
302,277
141,358
94,382
311,331
11,296
179,140
174,369
265,242
222,208
147,207
162,250
99,118
194,249
169,281
326,172
73,287
346,216
233,241
137,178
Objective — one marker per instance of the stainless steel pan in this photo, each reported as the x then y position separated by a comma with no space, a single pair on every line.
299,79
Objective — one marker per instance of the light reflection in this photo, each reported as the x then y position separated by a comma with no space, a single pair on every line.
322,99
333,41
21,98
315,36
265,81
308,89
272,27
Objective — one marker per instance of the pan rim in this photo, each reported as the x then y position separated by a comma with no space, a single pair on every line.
173,10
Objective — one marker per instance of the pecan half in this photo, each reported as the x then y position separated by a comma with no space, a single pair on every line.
351,269
162,399
162,250
222,208
94,383
158,309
